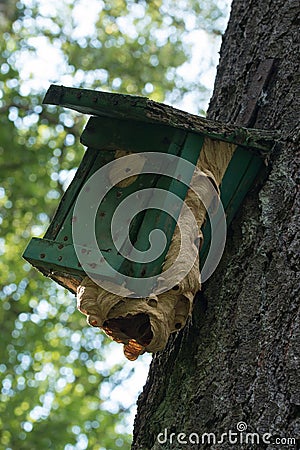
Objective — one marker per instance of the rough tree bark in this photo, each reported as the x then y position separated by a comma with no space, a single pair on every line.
237,358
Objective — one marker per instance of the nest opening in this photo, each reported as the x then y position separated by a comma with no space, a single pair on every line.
124,329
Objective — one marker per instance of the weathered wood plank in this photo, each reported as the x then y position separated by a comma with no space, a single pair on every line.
142,109
71,194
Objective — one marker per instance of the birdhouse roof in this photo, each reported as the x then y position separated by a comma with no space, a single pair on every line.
142,109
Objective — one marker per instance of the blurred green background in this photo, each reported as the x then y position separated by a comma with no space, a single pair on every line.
64,385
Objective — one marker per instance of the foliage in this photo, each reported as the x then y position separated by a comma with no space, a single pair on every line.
56,374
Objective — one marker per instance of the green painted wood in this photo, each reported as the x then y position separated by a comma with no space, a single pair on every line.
71,194
50,257
136,108
159,219
165,139
238,179
254,168
232,178
56,258
174,148
102,224
110,134
235,172
104,217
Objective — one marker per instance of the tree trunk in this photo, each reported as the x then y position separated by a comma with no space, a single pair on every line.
236,361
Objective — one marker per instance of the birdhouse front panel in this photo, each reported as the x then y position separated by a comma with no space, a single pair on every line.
111,139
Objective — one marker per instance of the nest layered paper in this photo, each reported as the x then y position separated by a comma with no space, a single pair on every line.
146,324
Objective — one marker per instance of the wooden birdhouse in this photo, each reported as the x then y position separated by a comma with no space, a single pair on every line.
135,147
